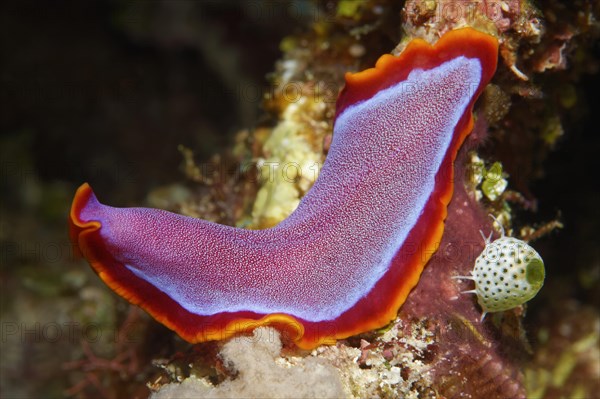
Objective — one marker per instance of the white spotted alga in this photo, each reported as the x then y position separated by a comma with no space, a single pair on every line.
508,273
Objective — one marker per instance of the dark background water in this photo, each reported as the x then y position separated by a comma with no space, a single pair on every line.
106,90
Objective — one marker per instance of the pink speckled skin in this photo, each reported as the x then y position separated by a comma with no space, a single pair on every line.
347,256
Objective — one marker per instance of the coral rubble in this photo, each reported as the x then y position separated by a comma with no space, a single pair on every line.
258,371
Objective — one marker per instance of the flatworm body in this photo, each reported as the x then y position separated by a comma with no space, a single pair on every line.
344,261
